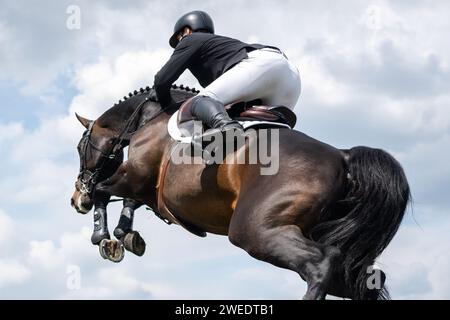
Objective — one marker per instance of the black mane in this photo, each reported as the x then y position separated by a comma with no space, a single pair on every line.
121,110
142,92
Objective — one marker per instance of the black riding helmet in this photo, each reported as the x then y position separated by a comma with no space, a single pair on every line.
196,20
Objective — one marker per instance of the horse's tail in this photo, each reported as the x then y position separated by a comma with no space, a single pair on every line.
372,210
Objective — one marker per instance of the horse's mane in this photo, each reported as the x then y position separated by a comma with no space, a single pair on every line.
121,109
142,91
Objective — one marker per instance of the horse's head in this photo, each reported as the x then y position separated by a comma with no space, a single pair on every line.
99,159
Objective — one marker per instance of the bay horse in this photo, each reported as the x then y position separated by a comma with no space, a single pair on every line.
327,214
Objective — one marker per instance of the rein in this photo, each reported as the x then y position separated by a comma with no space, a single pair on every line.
89,179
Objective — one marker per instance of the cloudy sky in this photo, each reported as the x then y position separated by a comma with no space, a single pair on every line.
374,73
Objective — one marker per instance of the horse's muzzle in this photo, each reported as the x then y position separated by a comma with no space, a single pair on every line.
82,203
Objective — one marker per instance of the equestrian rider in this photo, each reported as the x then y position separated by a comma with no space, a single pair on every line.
229,71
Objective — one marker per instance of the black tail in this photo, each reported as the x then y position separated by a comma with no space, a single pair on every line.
373,208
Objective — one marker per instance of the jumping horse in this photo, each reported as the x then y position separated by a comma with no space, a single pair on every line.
327,214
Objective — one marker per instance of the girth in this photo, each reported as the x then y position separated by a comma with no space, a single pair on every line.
163,211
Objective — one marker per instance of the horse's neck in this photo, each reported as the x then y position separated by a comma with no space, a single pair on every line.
150,111
123,114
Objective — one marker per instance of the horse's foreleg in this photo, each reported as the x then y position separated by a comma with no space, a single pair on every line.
100,218
119,185
125,224
284,245
132,240
112,250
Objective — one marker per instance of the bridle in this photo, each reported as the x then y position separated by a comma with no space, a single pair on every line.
87,178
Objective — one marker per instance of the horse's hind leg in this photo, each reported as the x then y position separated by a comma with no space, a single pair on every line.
124,231
285,246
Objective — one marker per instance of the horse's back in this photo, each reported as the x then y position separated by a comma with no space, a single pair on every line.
297,143
301,156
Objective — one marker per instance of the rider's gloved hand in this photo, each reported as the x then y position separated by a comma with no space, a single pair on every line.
165,102
153,96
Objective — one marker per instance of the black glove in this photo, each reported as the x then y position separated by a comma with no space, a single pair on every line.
152,95
165,101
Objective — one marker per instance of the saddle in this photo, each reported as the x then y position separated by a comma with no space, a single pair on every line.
245,111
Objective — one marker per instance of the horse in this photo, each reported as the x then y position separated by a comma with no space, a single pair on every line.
327,213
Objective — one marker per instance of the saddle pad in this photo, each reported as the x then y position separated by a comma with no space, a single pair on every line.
177,135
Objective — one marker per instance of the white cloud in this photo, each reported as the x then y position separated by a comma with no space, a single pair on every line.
71,247
12,272
11,131
378,17
44,254
416,264
7,226
103,83
44,183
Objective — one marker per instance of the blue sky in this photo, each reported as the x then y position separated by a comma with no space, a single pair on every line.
374,73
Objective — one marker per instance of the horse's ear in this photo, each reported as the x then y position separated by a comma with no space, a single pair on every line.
85,122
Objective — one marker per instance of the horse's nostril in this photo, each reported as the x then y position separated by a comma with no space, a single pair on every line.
72,202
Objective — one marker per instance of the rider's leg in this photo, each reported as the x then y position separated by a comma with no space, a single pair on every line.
212,113
288,89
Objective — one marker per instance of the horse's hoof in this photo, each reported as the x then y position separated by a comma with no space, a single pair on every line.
133,242
111,250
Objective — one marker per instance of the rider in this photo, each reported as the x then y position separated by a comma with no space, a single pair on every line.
228,69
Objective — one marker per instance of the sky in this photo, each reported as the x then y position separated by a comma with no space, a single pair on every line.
374,73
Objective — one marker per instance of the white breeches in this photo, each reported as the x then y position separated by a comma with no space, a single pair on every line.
266,74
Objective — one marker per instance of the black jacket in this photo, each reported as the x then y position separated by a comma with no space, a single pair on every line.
206,55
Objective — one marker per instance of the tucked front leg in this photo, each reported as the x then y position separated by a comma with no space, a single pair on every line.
100,219
132,240
125,224
117,184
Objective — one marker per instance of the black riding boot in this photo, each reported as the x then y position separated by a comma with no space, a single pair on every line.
213,114
100,226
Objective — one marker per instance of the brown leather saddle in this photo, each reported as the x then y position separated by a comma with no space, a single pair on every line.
246,111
